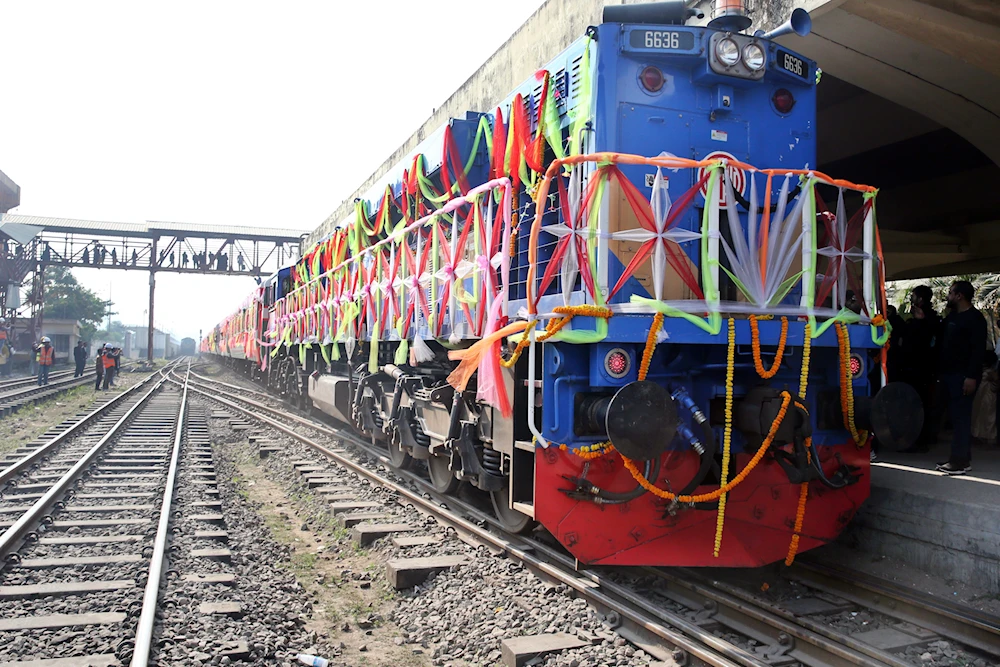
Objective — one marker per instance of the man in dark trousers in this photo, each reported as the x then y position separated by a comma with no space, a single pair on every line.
919,365
963,347
109,367
80,356
99,367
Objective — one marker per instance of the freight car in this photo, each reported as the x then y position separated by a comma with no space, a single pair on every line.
594,305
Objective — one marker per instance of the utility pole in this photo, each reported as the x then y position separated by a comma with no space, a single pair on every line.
152,288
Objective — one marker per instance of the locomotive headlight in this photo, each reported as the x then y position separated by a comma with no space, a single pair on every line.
753,56
728,52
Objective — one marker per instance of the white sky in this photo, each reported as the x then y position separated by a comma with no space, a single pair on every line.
221,113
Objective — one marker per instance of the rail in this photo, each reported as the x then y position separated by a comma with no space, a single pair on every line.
785,636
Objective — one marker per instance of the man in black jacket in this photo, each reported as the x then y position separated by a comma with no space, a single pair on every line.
921,349
80,356
963,346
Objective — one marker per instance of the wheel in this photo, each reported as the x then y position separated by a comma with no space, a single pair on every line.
510,520
442,479
400,459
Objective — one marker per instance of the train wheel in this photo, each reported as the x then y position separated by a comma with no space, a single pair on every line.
400,459
510,520
442,479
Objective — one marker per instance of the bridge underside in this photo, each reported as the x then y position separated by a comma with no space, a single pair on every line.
910,102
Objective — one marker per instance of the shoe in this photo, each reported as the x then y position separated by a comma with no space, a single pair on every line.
951,469
873,458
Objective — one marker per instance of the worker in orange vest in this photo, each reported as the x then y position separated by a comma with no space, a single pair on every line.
109,366
46,357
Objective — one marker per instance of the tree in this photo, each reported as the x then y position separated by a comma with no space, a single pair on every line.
67,299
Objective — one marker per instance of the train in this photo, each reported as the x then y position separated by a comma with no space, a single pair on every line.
622,304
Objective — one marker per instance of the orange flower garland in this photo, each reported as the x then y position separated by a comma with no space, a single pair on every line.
554,326
779,353
647,353
800,513
630,465
590,452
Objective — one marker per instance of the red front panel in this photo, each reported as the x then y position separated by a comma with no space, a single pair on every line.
759,517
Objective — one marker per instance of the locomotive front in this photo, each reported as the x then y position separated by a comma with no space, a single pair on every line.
722,413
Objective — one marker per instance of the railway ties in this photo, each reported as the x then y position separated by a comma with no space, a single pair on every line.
689,614
15,394
80,512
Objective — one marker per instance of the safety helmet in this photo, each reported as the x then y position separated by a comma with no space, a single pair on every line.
45,339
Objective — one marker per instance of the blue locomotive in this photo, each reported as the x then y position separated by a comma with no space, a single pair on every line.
623,303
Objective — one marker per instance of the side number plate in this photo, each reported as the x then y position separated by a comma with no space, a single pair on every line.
792,64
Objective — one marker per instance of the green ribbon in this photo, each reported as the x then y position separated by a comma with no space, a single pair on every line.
402,352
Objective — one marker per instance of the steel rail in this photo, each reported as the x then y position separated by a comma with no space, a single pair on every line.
231,386
820,645
704,645
963,624
31,379
9,539
147,617
17,468
748,614
62,383
817,649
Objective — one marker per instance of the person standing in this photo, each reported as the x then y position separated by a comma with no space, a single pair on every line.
80,357
99,368
116,354
920,346
894,356
963,348
109,366
46,357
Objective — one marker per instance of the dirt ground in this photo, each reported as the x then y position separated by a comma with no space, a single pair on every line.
351,604
34,419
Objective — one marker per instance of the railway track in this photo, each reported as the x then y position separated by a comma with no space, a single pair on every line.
17,383
676,613
15,394
86,514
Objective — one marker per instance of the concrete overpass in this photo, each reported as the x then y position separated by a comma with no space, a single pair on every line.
909,102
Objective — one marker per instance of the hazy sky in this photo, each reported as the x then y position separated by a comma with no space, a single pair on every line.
220,113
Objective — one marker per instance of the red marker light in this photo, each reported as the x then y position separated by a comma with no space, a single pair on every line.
617,363
855,363
783,100
652,79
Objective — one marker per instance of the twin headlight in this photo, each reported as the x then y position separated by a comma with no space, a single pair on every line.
728,53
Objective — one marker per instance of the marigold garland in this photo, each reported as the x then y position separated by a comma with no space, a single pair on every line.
846,387
630,465
804,372
647,352
779,353
554,326
727,433
800,513
590,452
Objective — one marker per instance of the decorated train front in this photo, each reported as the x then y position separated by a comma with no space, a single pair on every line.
624,304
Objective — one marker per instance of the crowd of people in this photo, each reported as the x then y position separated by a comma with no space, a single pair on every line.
107,362
946,359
